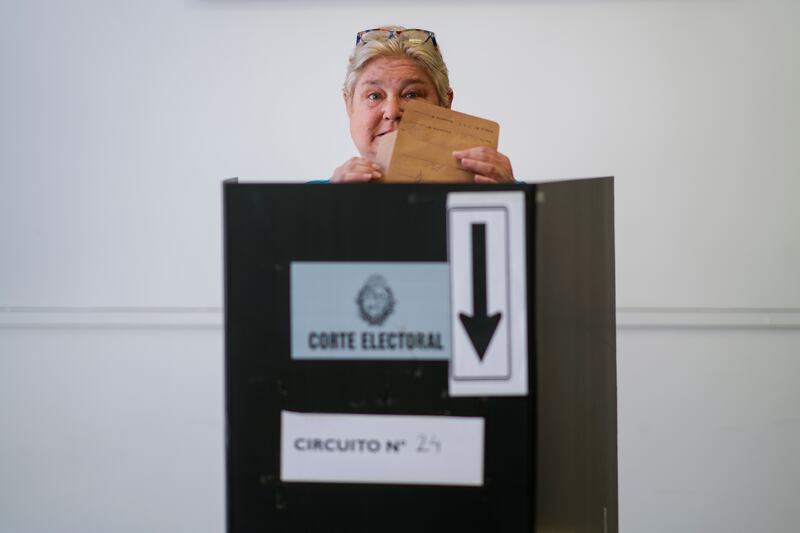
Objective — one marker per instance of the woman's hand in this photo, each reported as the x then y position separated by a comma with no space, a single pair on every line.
489,165
356,169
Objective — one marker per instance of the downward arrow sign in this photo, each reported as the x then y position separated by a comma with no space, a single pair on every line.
479,326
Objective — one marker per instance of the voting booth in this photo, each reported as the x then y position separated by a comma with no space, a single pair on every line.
420,358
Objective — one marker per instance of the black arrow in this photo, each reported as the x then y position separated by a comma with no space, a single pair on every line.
480,327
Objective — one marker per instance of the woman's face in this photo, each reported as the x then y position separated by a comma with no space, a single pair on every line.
380,95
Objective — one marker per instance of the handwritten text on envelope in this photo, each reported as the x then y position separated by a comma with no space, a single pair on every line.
421,149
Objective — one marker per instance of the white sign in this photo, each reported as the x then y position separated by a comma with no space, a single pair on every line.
385,449
489,320
368,310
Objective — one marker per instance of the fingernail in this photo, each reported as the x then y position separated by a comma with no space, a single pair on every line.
376,166
376,174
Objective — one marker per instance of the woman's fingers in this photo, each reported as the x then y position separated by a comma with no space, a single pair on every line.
489,165
356,169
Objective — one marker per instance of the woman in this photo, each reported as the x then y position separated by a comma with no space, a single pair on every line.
390,66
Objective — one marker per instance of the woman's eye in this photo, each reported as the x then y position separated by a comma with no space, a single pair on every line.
373,96
412,95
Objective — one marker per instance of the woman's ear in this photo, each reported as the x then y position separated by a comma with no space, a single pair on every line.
347,103
449,97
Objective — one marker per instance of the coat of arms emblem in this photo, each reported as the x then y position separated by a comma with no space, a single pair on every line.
375,300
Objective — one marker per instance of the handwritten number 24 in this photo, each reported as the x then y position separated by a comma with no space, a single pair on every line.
428,443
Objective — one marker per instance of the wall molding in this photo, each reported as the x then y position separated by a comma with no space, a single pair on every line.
707,318
212,317
111,317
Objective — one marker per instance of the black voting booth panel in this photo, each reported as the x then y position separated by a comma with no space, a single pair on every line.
550,457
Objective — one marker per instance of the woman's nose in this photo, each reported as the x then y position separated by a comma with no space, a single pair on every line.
393,109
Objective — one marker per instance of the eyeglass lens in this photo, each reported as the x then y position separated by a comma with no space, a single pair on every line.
413,36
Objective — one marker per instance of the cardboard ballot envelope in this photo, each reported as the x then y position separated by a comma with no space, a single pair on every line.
421,149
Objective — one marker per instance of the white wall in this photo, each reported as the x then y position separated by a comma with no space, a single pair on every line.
709,429
119,119
111,429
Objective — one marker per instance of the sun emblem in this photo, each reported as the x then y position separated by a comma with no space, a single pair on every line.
375,300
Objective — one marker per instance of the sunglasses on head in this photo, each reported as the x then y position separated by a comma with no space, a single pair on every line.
410,35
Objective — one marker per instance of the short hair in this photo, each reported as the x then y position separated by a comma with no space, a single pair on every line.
426,55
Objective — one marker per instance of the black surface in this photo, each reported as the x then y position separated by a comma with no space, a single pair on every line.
575,387
550,458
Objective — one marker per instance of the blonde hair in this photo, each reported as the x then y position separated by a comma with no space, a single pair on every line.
426,55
